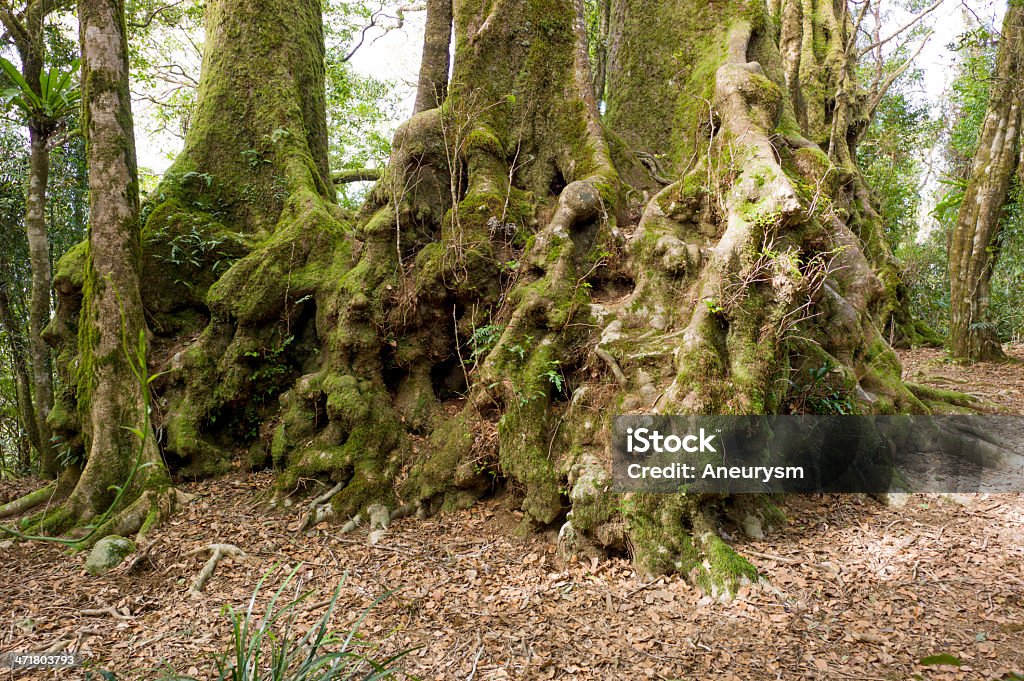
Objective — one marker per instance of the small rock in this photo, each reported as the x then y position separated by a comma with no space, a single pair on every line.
752,527
380,517
894,499
374,537
107,554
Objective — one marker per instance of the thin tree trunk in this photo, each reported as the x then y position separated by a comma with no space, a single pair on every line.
433,81
21,371
28,37
972,257
112,318
604,10
39,305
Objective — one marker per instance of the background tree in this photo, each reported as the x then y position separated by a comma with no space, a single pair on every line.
124,482
20,433
973,248
46,97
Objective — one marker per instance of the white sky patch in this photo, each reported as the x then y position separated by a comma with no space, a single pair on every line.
395,56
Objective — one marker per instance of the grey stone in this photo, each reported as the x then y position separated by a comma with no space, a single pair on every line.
108,553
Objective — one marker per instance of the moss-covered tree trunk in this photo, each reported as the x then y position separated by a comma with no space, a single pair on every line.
973,244
522,271
121,447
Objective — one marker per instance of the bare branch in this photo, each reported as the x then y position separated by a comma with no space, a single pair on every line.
906,27
153,15
884,87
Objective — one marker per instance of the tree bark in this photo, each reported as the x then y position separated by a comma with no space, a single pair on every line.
39,305
235,158
111,371
435,62
603,9
972,256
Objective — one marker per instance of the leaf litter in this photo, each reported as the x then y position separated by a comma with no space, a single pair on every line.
852,590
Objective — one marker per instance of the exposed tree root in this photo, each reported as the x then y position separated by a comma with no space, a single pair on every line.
148,510
318,512
218,552
124,614
29,501
479,321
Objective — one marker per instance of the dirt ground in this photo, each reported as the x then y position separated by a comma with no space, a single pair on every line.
853,589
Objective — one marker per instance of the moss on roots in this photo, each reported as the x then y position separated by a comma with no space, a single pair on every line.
519,274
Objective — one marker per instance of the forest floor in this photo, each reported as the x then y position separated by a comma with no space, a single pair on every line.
853,590
999,386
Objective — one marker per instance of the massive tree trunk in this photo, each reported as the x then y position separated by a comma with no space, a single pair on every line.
519,274
112,388
973,249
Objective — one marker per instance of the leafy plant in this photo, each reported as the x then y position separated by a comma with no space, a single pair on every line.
483,340
942,658
554,376
820,395
267,649
59,93
519,350
66,454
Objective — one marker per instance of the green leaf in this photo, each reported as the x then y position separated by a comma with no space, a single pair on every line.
941,658
58,93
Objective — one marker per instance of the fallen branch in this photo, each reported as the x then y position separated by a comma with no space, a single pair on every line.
217,553
54,648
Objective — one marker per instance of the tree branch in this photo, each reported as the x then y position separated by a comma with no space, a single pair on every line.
153,15
347,175
907,26
884,87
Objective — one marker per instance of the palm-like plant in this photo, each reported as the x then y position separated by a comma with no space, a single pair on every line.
58,96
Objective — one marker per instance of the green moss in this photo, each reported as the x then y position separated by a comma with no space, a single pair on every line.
729,570
939,396
659,527
70,270
667,67
450,445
